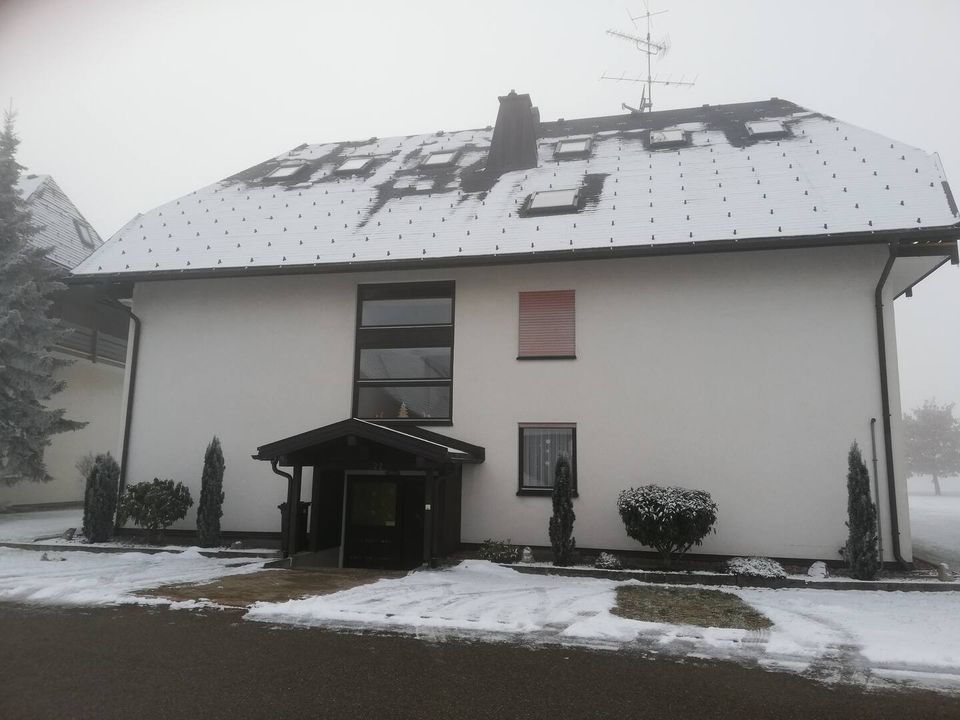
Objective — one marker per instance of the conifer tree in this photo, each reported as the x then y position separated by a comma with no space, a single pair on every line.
100,499
27,333
561,522
861,549
210,509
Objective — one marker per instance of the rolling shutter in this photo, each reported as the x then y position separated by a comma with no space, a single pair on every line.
547,324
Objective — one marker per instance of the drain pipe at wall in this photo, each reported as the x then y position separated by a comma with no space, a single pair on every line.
885,409
131,386
876,486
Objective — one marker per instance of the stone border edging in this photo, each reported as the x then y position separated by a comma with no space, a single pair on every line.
148,550
671,578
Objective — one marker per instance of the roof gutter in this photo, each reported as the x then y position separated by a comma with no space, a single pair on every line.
885,408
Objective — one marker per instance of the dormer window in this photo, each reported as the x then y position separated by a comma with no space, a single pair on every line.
353,165
667,137
440,159
573,148
550,202
284,172
766,128
85,234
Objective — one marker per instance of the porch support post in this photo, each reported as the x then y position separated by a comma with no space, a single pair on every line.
315,511
429,512
293,510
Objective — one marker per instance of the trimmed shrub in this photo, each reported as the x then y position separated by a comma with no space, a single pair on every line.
210,508
669,519
860,551
561,522
155,506
759,567
499,551
608,561
100,498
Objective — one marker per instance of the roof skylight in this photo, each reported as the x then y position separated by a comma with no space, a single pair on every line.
437,159
765,127
545,202
667,136
284,171
354,164
84,233
572,147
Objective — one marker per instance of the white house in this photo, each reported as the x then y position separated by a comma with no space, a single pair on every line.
95,343
698,297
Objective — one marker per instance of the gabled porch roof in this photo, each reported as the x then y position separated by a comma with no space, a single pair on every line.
416,441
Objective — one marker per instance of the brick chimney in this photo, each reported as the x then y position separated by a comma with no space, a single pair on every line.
514,144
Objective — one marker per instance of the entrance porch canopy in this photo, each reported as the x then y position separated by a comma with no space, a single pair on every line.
361,445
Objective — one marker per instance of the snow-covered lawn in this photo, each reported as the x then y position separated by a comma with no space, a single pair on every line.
27,527
83,578
828,634
935,528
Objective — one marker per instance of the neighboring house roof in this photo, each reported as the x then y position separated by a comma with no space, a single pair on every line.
63,230
769,172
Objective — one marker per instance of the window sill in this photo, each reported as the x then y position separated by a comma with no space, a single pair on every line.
541,492
546,357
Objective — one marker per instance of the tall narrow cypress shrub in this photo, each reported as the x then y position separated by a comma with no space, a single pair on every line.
210,509
100,499
861,548
561,522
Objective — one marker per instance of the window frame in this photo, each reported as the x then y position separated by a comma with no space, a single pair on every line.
530,490
562,356
401,336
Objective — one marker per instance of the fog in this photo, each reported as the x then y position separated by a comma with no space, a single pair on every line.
129,103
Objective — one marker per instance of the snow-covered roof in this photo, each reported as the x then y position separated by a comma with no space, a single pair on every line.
63,231
718,181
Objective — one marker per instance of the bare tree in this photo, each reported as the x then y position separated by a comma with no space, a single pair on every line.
933,442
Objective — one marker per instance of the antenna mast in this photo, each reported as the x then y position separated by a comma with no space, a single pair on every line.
649,48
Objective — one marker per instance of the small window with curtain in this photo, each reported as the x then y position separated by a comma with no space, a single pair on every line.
541,445
548,325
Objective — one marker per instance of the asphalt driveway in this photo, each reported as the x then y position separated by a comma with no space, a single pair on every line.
135,662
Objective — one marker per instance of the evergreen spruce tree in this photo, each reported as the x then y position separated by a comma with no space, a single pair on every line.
27,333
861,549
210,509
100,499
561,522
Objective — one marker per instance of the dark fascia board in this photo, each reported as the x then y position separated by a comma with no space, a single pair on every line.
477,451
432,449
949,233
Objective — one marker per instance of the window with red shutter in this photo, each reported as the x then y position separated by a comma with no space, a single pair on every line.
547,325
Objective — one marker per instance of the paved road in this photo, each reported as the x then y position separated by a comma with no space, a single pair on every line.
137,664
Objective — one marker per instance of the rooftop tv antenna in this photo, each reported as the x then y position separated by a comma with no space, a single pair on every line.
649,48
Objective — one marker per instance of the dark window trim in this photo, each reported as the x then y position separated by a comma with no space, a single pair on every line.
546,357
545,491
399,336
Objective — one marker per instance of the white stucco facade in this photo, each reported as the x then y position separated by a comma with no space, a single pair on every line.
93,394
745,374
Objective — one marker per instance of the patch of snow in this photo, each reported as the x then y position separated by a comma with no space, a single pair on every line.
935,524
27,527
80,578
756,567
817,571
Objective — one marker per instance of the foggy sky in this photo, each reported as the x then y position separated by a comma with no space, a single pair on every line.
131,103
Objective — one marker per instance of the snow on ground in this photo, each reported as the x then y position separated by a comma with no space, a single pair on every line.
82,578
28,526
935,521
831,634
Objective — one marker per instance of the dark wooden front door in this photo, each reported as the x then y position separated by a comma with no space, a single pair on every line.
384,522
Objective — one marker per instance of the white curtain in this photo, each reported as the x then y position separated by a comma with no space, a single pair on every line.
541,448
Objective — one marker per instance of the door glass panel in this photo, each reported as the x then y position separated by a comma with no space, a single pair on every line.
374,504
409,311
415,402
404,363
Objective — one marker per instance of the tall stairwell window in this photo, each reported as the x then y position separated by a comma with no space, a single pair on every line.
404,353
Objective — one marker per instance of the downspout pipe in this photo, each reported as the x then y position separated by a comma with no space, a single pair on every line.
131,387
885,409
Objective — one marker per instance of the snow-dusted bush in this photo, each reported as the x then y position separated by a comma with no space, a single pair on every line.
608,561
756,567
860,552
668,519
100,498
499,551
155,506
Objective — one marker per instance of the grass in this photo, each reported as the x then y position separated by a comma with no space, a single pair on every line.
687,606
